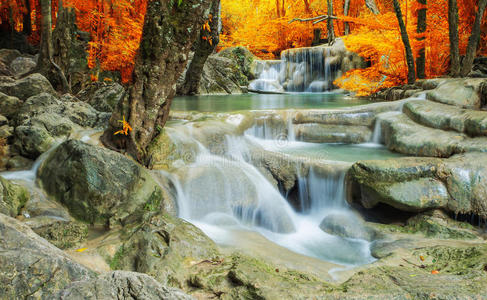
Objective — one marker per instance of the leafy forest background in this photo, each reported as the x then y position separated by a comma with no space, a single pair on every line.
369,28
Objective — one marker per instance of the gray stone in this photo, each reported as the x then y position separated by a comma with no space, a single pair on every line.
32,141
403,135
22,65
447,117
30,267
9,105
12,197
120,285
101,186
163,247
457,184
107,97
27,87
319,133
347,225
8,55
462,92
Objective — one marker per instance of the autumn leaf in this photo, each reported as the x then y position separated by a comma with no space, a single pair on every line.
81,250
125,127
434,272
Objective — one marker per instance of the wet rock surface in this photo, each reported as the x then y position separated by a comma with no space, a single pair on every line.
417,184
98,185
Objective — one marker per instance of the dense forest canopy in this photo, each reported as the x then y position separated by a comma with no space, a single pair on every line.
264,27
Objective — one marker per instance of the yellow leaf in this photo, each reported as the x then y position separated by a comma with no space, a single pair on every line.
81,249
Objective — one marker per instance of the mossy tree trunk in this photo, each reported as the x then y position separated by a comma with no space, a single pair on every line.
203,47
453,33
421,29
407,44
329,23
46,64
170,29
473,41
346,8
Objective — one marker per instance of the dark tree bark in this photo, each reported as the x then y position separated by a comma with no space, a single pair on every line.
46,64
204,46
421,59
407,44
329,24
27,25
170,28
346,8
453,32
473,41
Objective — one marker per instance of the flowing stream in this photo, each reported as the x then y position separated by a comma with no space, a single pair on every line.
228,195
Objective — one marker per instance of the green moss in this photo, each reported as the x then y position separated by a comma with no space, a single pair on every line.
154,202
115,261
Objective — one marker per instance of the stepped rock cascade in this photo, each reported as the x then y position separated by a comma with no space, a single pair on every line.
311,70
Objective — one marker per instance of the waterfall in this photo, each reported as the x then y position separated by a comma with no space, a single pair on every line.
377,135
300,70
320,194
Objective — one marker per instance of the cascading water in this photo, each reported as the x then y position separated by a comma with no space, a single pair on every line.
300,70
223,194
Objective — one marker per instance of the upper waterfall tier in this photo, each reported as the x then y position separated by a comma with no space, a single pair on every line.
312,69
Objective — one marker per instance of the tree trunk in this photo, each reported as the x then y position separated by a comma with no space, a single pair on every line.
170,28
27,25
372,6
329,24
46,64
346,8
473,40
421,29
453,32
204,46
407,45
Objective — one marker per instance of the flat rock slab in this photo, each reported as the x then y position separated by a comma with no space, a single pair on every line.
462,92
447,117
403,135
413,184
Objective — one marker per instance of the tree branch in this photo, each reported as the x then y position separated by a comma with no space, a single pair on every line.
318,19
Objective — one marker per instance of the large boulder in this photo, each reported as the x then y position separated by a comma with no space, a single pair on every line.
463,92
164,247
347,225
120,285
22,65
102,96
403,135
220,76
9,105
447,117
8,55
12,197
101,186
30,267
32,141
43,119
27,87
457,184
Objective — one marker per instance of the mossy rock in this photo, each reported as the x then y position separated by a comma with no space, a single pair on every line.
163,247
100,186
63,234
12,197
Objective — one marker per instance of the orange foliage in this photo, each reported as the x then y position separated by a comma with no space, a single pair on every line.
263,27
384,48
115,28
